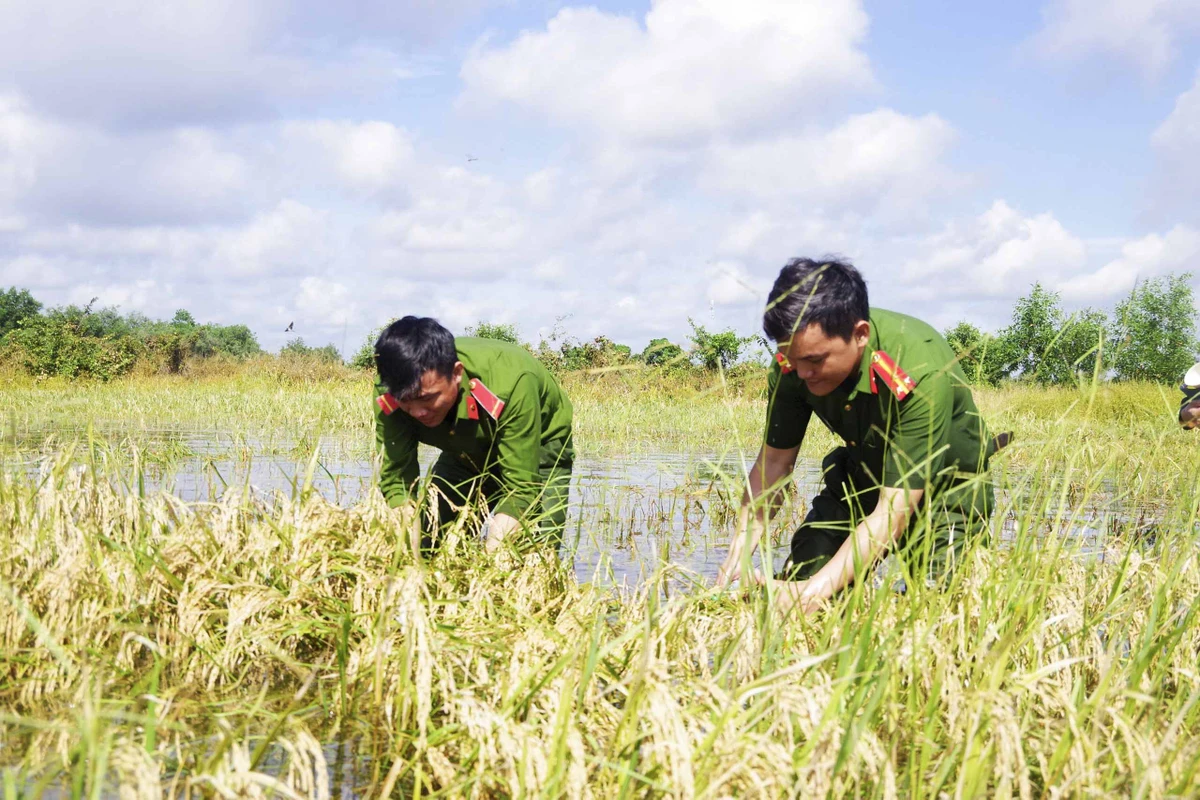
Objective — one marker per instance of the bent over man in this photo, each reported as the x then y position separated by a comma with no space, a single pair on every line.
912,473
502,422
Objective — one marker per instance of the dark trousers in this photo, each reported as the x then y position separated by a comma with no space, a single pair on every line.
951,516
459,488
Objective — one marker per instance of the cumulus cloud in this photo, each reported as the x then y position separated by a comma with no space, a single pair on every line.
1176,144
997,254
1146,257
324,302
882,160
1146,33
690,68
143,64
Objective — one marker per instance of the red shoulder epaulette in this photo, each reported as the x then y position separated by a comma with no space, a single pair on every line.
896,379
387,404
784,365
483,396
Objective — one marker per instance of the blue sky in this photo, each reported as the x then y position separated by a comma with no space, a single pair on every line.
618,166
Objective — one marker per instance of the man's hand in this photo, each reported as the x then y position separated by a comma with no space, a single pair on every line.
731,569
771,469
498,530
1189,415
793,595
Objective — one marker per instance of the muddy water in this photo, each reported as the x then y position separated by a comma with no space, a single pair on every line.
630,514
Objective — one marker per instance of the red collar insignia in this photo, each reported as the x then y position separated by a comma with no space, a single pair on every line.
387,404
896,379
483,396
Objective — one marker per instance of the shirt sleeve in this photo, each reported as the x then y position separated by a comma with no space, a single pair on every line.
394,437
787,412
919,439
518,444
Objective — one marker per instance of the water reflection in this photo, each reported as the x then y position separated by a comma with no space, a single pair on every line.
630,514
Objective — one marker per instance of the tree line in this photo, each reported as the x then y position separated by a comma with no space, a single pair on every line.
83,341
1150,335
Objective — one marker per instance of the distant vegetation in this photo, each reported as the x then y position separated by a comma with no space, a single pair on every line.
1149,336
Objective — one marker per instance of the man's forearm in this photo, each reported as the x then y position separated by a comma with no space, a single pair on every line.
871,538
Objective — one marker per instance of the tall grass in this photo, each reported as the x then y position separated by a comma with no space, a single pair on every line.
151,646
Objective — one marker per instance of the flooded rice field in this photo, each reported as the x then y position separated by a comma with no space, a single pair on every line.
630,514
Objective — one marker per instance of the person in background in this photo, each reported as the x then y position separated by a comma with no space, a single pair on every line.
1189,407
501,421
912,474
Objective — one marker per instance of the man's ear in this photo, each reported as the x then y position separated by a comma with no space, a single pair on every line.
862,332
457,373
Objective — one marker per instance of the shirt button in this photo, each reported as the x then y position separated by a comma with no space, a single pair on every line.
847,407
854,444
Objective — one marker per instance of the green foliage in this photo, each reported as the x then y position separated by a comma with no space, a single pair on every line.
1154,337
16,306
296,348
503,332
719,350
984,357
183,319
59,344
1045,345
662,352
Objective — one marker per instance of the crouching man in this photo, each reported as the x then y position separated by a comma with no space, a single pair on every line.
912,475
501,421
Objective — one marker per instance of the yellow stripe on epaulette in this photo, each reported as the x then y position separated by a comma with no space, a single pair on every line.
896,379
493,405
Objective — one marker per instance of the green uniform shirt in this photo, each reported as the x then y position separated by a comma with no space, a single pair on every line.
920,442
533,432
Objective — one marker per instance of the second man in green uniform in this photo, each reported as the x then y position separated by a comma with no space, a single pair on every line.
502,422
912,474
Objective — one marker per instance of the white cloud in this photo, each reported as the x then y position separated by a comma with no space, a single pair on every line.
730,285
882,159
1147,257
997,254
1144,32
291,238
369,156
694,67
153,64
138,295
1176,142
324,302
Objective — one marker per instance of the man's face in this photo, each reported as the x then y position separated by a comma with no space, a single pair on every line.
824,362
436,397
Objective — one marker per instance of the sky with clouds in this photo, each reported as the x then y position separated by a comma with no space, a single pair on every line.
612,168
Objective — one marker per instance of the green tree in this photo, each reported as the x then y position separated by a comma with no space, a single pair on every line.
296,348
662,352
1036,320
716,350
1154,331
16,306
183,319
504,332
985,358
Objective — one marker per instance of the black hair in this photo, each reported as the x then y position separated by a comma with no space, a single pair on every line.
830,293
410,347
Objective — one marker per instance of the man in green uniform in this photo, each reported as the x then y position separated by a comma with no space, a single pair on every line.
913,473
502,422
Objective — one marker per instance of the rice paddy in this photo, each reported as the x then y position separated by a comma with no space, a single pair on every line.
202,595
